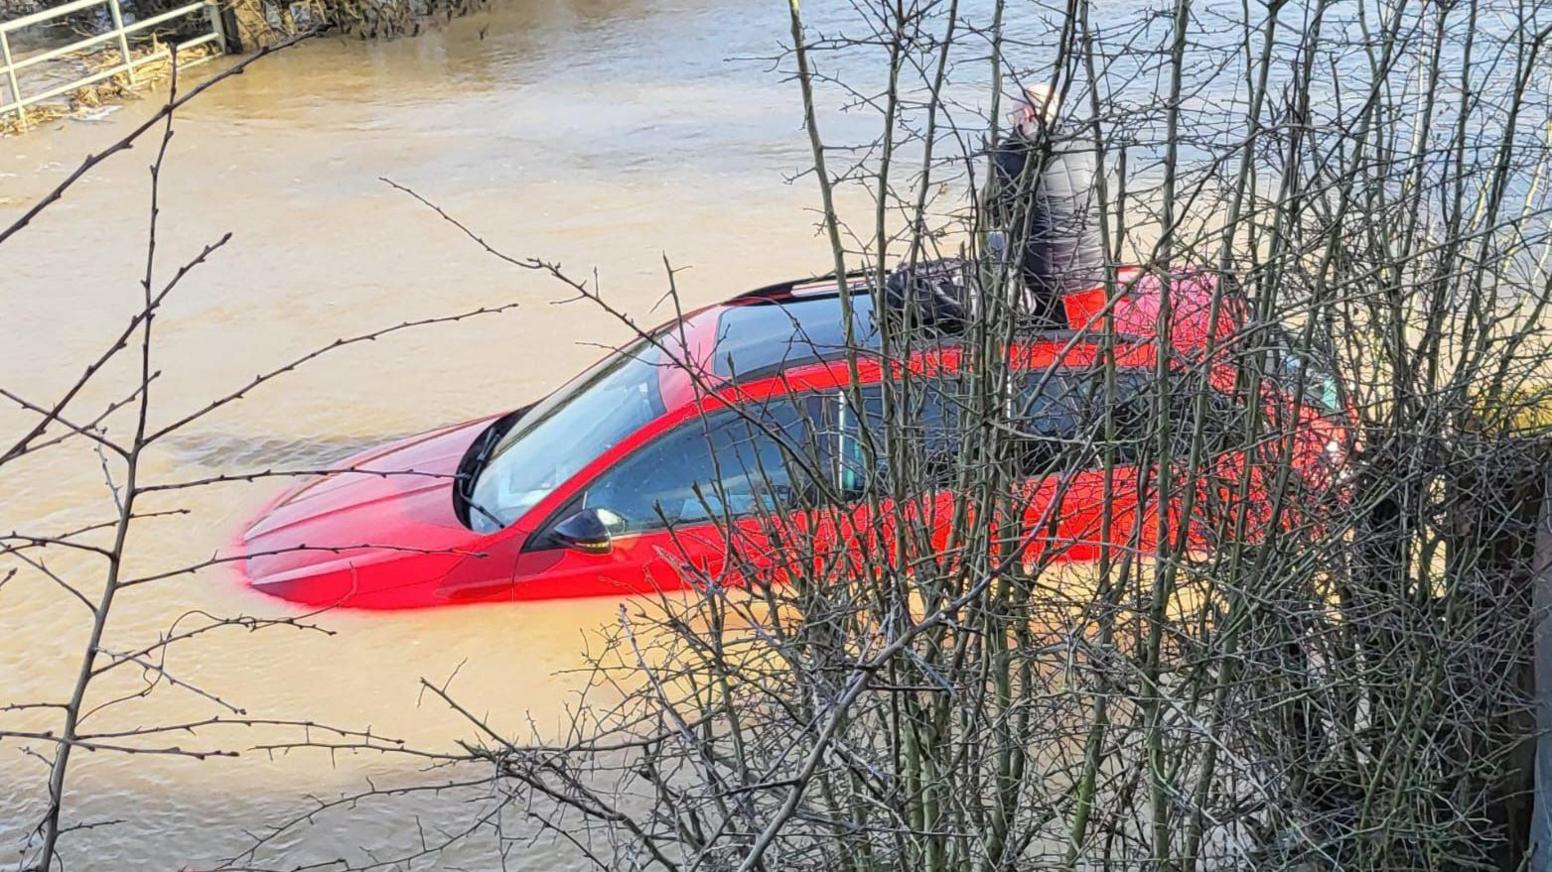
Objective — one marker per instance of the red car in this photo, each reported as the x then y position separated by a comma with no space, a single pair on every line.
628,479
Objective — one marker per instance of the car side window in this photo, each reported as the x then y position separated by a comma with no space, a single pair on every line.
1132,407
1058,416
726,463
1048,411
1062,416
930,425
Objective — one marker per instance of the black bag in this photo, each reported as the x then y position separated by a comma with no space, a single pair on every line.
940,294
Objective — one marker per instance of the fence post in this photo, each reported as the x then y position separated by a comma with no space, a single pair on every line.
118,25
223,21
213,15
10,72
1541,602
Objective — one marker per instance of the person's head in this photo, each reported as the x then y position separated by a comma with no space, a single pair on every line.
1034,110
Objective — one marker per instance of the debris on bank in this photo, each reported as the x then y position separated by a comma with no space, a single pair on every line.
236,25
95,101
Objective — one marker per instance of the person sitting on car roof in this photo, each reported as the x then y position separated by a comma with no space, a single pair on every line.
1040,196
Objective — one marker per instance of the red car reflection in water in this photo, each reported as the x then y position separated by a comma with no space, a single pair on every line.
636,476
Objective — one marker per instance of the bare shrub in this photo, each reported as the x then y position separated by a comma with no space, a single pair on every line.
1289,655
1273,654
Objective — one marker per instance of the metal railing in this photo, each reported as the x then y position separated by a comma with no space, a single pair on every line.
9,67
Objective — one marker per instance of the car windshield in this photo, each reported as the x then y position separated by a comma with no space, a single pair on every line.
564,433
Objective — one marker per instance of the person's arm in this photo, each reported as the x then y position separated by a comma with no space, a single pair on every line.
1004,182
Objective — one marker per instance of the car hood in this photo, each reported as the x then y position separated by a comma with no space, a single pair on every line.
384,504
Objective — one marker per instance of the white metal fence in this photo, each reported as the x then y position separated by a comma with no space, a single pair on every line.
18,102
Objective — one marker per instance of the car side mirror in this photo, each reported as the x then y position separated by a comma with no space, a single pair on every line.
589,531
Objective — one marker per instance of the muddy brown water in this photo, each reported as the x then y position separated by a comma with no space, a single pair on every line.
603,134
600,133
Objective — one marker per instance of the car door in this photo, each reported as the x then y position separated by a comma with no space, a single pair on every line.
1067,504
1082,456
1121,506
895,480
697,505
1070,503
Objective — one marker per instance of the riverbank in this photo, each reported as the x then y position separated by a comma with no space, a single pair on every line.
111,69
95,100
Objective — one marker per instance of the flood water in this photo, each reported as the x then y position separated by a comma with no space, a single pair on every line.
602,134
606,135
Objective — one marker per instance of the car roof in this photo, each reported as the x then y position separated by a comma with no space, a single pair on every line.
797,323
773,332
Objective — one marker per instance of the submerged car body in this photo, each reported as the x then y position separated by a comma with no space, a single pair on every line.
629,478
